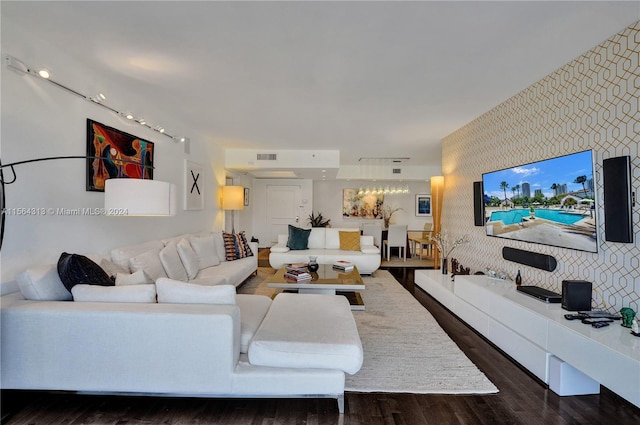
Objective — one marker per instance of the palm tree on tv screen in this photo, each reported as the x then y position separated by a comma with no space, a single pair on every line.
504,186
582,180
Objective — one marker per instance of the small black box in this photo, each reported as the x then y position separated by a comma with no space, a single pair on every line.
576,295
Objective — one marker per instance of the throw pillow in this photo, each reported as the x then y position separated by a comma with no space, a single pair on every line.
236,246
171,262
173,291
205,249
42,283
115,294
189,258
75,269
148,261
112,269
137,278
298,238
218,241
349,241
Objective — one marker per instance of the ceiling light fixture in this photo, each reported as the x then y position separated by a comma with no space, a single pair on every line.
20,67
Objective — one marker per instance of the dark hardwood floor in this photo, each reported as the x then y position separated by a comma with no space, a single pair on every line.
521,400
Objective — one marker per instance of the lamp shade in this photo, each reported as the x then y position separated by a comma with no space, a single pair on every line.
135,197
232,197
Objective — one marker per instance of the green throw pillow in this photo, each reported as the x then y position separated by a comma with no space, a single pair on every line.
298,238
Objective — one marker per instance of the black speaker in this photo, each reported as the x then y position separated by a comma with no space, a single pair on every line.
478,204
576,295
618,200
528,258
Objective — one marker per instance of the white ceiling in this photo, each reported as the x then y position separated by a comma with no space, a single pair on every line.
374,79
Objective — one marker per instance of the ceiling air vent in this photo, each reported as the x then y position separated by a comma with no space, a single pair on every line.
397,171
266,156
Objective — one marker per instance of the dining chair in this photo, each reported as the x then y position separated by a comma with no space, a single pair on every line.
397,238
423,241
374,230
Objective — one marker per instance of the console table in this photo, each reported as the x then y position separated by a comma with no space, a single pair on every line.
569,356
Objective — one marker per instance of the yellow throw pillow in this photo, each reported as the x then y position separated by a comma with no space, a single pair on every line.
350,241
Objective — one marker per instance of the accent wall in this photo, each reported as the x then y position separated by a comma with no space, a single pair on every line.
590,103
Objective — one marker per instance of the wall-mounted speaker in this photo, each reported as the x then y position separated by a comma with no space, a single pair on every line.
618,199
478,204
528,258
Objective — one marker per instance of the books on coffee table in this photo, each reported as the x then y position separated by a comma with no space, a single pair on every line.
297,275
296,266
343,265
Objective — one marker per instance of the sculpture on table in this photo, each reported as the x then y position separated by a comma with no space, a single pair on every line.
457,268
627,316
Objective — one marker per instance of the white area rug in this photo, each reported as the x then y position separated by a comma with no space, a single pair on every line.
405,350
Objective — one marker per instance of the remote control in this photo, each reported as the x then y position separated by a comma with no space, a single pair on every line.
575,316
590,320
600,324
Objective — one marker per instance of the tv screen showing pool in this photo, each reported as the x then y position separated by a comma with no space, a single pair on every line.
550,202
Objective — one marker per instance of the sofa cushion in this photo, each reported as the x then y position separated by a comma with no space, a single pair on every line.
298,238
137,278
171,262
308,331
218,241
236,246
349,241
42,283
150,263
189,258
112,269
253,308
205,248
115,294
121,256
76,269
317,238
176,292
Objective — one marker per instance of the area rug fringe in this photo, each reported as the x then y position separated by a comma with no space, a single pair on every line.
405,350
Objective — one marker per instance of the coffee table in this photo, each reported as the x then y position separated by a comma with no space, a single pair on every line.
326,280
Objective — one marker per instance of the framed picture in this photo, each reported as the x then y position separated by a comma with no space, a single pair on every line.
246,196
194,186
360,205
423,205
123,156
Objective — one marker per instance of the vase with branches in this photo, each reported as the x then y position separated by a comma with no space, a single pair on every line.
446,246
387,212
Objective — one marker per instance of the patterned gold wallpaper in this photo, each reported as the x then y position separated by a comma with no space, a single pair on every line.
590,103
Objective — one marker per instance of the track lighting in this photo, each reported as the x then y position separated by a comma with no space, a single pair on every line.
20,67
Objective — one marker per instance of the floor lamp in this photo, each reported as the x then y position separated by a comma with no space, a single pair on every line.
232,200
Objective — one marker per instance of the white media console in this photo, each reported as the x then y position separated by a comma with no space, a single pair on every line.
571,357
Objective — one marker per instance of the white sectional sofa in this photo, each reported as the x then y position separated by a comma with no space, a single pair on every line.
325,244
174,338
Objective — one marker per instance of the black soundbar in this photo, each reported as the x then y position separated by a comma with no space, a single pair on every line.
528,258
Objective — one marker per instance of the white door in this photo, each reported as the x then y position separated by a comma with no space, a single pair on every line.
283,208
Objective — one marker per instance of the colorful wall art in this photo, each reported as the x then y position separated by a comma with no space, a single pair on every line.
121,155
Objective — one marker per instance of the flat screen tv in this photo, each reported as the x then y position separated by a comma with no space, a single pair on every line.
550,202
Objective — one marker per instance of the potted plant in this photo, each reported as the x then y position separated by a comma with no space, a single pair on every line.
318,220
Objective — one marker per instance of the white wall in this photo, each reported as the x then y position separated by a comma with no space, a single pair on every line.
327,199
39,120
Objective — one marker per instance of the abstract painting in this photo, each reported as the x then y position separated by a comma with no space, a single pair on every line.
194,189
121,155
361,205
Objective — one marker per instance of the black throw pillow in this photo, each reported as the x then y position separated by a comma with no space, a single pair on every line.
75,269
298,238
